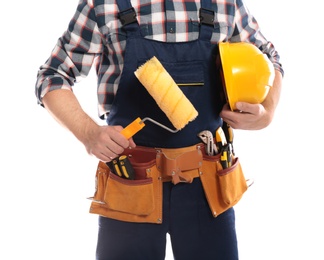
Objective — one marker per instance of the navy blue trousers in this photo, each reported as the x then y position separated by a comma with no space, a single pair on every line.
194,233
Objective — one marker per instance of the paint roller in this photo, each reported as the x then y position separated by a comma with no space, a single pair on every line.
168,96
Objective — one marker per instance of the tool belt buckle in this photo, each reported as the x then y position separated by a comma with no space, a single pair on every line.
173,170
181,169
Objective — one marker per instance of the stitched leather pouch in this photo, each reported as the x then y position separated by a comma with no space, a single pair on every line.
223,188
232,183
138,200
100,182
130,196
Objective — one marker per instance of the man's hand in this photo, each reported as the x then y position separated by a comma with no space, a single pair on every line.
247,117
254,116
106,142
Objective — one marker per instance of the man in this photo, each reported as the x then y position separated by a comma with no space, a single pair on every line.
119,36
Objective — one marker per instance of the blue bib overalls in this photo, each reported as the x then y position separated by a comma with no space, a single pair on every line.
195,234
191,64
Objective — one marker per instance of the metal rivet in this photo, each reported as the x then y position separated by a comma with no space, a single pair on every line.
148,170
159,220
173,173
200,173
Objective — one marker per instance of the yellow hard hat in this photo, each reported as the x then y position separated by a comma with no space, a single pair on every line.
247,73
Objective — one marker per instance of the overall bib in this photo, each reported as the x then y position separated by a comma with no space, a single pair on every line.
194,233
192,65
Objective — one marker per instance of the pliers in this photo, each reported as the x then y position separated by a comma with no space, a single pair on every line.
208,139
122,167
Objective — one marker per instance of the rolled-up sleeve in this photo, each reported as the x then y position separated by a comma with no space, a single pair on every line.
73,55
247,30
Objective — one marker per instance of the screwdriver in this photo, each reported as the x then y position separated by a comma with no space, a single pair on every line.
224,158
220,138
228,130
229,134
224,146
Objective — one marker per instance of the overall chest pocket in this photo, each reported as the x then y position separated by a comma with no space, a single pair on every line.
186,74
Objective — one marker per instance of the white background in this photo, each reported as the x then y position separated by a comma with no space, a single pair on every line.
46,175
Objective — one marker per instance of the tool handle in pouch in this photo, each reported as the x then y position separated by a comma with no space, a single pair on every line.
132,128
115,168
126,167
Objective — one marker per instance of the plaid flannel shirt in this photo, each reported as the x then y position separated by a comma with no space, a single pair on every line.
95,37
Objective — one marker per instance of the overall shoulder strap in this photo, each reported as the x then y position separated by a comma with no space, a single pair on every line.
206,17
124,4
127,15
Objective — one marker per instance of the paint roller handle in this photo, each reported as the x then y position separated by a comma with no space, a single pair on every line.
133,128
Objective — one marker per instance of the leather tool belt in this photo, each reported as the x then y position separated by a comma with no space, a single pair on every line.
140,200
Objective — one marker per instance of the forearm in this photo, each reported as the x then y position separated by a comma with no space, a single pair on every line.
65,108
272,99
104,142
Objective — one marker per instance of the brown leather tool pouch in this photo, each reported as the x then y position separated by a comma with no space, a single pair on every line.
138,200
223,187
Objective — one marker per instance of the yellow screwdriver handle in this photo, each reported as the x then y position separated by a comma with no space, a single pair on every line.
132,128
